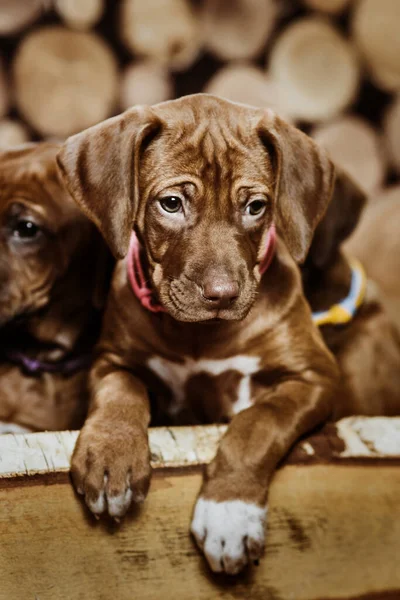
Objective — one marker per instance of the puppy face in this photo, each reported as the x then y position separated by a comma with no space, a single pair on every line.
40,227
201,180
204,205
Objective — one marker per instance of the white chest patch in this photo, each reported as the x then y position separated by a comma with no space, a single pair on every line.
175,375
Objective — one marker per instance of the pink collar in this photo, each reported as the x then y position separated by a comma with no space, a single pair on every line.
137,279
270,249
138,282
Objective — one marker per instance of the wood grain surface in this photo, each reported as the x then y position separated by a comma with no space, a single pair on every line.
333,525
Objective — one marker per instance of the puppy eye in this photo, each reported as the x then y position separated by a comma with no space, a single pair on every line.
171,204
25,229
255,208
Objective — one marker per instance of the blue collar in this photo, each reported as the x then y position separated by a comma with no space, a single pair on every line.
344,311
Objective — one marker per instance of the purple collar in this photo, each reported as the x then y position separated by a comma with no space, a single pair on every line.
33,366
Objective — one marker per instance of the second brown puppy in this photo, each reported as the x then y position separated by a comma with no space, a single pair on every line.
53,282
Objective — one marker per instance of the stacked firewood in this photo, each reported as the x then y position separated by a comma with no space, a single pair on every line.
330,66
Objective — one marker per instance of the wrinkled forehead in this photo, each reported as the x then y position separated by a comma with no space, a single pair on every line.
28,164
29,174
210,150
31,158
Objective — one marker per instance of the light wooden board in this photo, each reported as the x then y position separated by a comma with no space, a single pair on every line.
333,525
36,453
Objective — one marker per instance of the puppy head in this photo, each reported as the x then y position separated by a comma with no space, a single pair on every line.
201,180
40,229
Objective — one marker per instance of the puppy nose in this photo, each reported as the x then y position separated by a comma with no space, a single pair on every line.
220,291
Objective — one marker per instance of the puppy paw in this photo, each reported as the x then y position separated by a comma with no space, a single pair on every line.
111,468
230,533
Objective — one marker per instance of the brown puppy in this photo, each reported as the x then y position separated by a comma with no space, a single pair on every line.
203,182
368,346
49,316
376,242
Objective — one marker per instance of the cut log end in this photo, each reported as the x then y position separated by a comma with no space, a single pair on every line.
16,15
247,84
375,27
391,126
65,80
316,67
332,7
355,146
80,15
12,133
237,30
145,83
165,32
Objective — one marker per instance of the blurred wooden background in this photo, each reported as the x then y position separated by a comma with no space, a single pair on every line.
330,66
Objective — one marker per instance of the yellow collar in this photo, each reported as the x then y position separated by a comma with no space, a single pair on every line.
344,311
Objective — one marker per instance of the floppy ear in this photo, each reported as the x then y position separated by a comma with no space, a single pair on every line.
99,167
303,183
339,221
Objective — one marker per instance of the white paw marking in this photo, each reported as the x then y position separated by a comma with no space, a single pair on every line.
118,505
13,428
175,375
98,506
229,533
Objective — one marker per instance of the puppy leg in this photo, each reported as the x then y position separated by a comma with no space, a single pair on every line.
230,514
111,462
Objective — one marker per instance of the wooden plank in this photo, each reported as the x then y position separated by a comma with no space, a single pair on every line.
334,532
50,452
35,453
333,525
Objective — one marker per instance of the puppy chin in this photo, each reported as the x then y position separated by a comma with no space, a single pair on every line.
207,317
193,313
